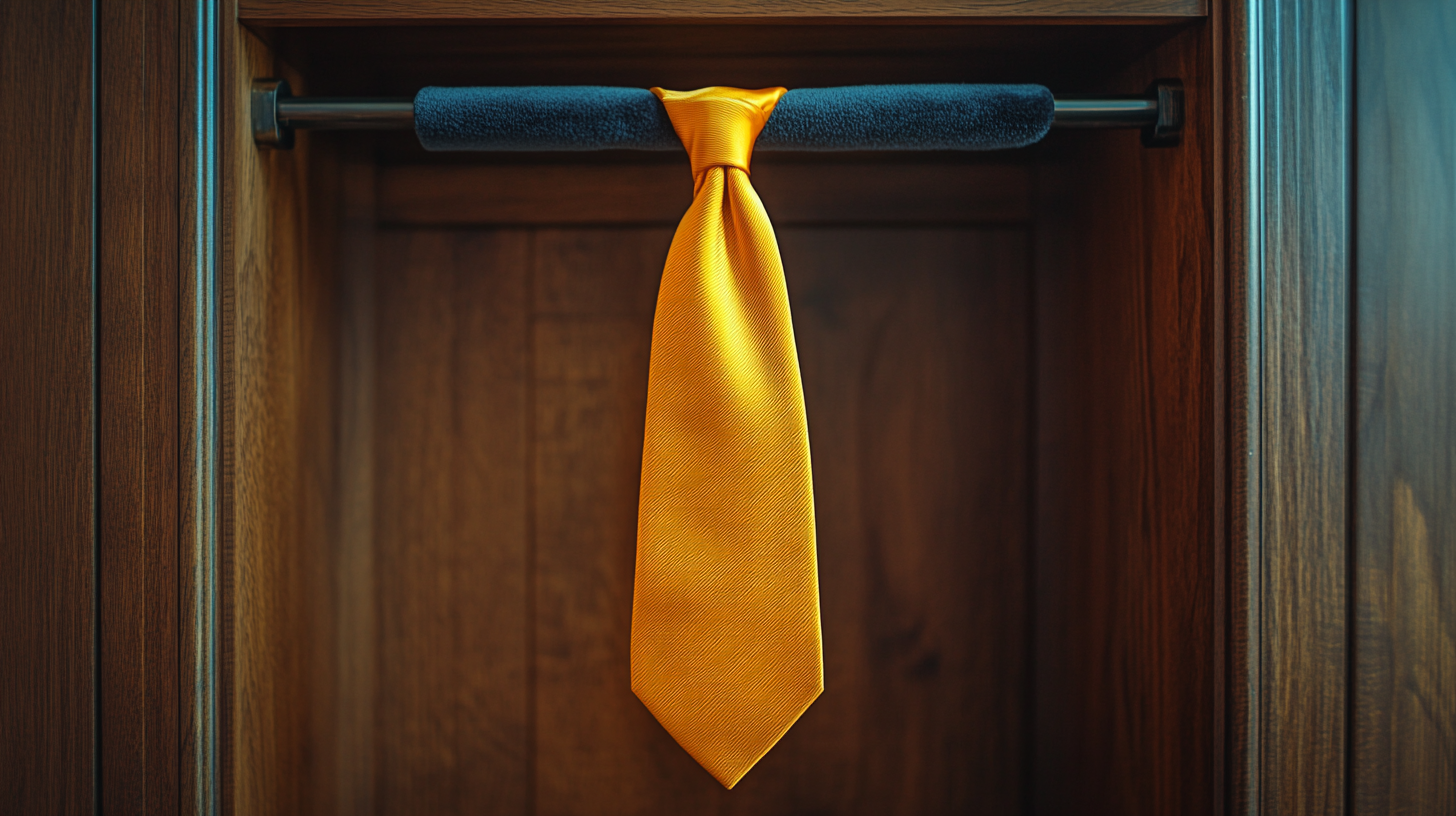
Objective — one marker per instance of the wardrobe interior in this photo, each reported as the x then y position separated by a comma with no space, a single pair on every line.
1012,364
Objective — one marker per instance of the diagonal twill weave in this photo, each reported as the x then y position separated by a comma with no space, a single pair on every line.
725,617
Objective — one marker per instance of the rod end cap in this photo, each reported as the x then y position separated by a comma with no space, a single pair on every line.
267,130
1167,130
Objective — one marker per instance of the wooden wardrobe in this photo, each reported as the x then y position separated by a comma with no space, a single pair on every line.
1132,464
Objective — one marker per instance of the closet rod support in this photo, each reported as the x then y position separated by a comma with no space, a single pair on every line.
277,113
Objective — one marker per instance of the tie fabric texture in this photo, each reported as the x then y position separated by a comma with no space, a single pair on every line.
726,648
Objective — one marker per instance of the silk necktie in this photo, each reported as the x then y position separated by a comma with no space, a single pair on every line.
725,615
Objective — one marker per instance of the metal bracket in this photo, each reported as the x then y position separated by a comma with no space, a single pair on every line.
268,129
1167,129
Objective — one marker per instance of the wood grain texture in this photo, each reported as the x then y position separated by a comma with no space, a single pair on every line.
914,344
193,745
279,514
378,12
451,523
1126,625
1302,291
923,609
1403,733
121,370
164,696
659,193
1237,236
137,457
915,347
399,60
597,748
46,411
357,569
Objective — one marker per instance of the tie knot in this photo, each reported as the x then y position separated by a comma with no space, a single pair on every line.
718,126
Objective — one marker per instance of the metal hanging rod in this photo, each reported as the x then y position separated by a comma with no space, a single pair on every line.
276,114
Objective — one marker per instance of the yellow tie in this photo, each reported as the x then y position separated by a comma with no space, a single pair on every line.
725,617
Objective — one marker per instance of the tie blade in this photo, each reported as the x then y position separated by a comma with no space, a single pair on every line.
726,642
729,734
726,647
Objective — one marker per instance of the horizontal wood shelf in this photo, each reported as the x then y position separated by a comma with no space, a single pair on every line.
384,12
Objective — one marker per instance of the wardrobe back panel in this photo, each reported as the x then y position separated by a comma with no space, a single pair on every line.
1129,422
509,395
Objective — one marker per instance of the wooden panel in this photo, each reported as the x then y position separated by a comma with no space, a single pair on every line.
451,523
357,570
278,498
913,346
46,480
598,750
120,393
137,456
1300,279
418,720
1236,331
162,447
297,12
533,195
399,60
1126,618
1403,735
659,193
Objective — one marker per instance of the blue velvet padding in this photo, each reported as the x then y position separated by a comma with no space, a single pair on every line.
908,117
860,117
568,117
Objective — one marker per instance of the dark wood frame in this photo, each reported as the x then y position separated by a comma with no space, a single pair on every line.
1289,129
156,459
161,440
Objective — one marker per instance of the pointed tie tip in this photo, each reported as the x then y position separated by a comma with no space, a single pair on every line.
728,759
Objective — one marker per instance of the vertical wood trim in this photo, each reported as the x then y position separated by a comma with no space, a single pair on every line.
198,400
1221,194
160,435
1240,177
120,416
1299,273
217,378
47,401
135,511
136,405
186,211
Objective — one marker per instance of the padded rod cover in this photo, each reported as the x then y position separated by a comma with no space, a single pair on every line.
857,117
